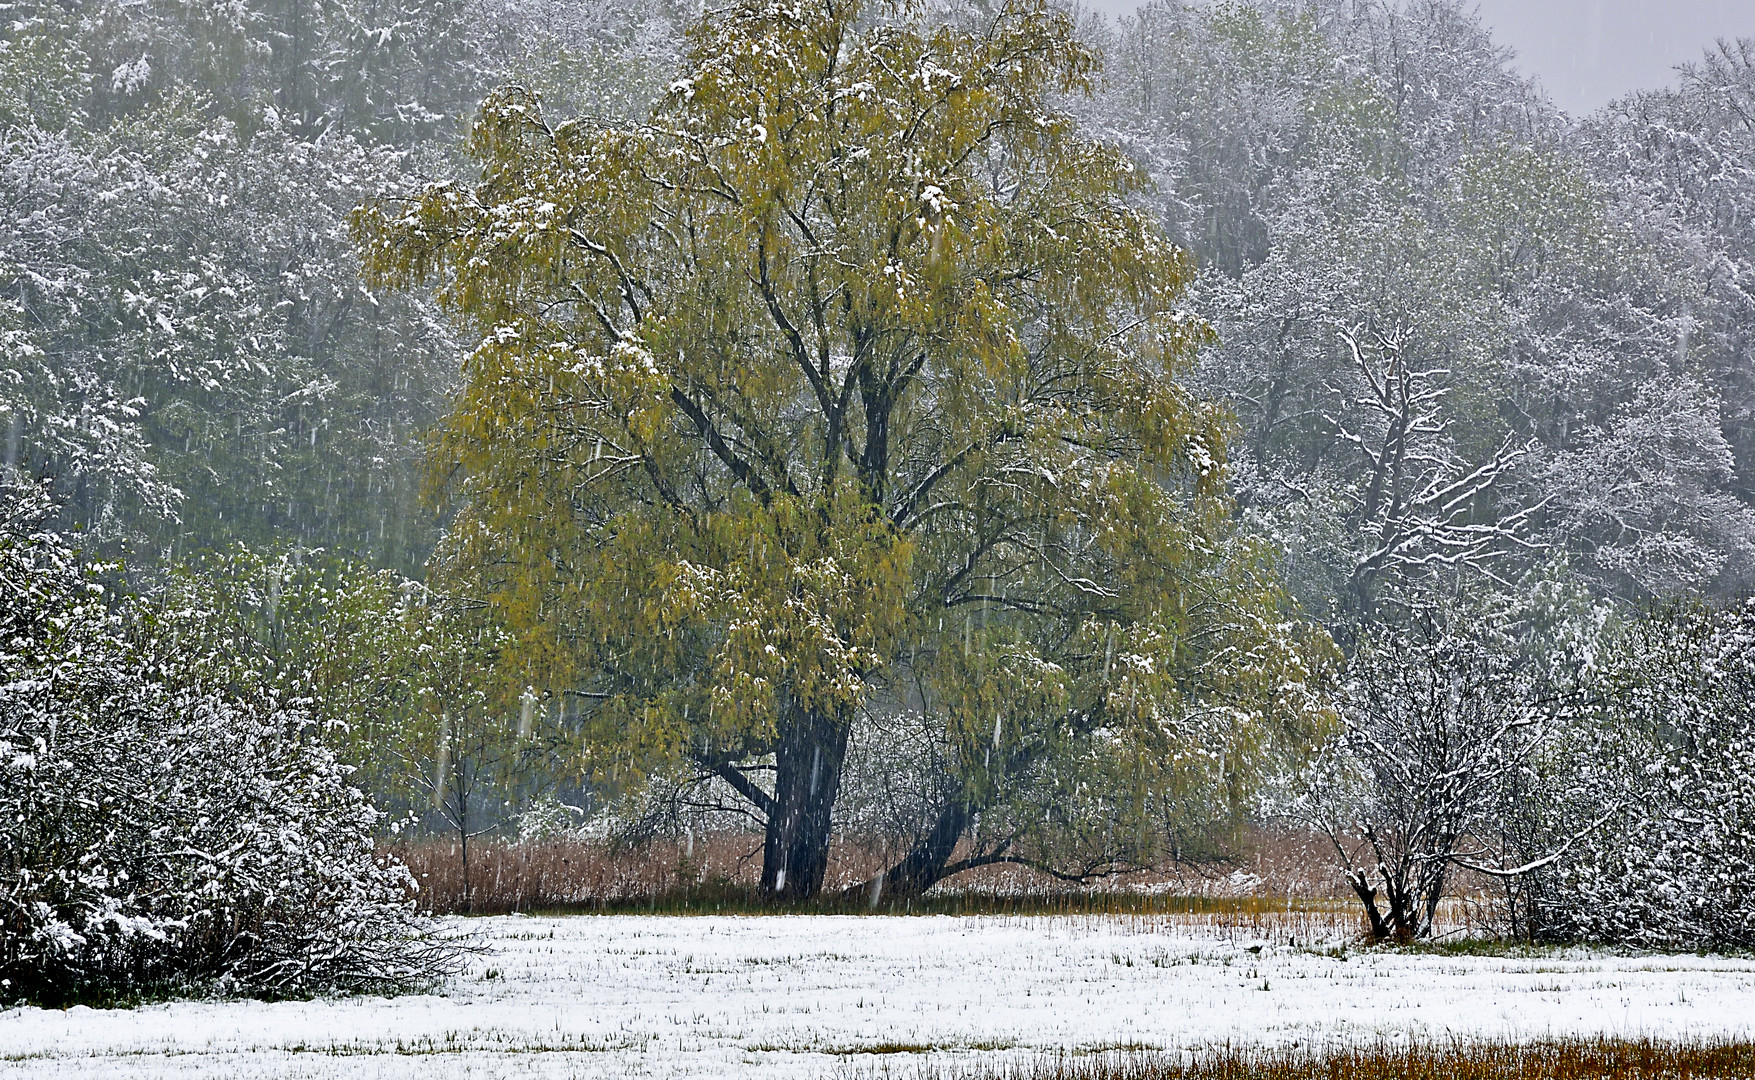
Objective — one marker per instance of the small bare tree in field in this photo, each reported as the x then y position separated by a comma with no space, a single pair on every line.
1439,727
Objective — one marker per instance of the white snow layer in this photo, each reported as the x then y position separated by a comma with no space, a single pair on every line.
811,996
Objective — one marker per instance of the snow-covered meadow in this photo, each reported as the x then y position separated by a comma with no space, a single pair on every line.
810,996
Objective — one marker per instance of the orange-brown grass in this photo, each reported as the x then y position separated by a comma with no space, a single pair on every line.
1281,889
1582,1059
575,874
723,869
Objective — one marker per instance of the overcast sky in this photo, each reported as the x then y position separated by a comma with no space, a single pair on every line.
1588,51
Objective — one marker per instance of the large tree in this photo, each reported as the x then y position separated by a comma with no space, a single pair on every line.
845,389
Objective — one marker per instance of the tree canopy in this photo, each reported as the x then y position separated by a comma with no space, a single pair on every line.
842,395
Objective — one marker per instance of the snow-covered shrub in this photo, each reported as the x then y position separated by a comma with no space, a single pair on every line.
1664,820
1440,720
161,831
548,818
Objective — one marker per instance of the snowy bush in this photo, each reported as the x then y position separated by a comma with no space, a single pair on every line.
1668,766
1441,719
162,832
549,818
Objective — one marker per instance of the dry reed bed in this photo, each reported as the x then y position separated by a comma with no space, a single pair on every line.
720,871
1589,1059
1284,891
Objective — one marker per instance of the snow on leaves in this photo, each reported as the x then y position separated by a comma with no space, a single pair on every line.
855,337
162,830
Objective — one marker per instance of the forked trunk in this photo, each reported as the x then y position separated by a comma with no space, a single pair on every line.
1368,896
807,777
926,863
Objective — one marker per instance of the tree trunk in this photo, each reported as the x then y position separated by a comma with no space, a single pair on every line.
1368,896
807,777
1434,894
924,865
1402,914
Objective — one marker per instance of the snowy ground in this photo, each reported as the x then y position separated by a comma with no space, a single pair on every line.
815,996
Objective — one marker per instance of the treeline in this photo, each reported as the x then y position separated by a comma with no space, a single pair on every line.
1440,430
191,357
1457,328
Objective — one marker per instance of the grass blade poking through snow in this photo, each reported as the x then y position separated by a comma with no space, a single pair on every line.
1587,1059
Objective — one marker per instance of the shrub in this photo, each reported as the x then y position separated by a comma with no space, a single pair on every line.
1667,763
162,830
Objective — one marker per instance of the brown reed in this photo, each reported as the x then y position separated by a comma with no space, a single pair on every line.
1283,888
1564,1059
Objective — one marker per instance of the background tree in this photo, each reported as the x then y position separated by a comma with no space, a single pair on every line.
1379,166
190,357
852,374
1677,162
405,685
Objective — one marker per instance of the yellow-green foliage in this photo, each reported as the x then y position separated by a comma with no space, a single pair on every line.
849,382
398,679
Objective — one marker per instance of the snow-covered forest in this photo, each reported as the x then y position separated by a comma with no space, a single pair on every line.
980,431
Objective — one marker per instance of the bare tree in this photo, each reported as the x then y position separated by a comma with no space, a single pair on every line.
1439,726
1423,505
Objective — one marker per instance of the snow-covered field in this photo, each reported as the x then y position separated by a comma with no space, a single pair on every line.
809,996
